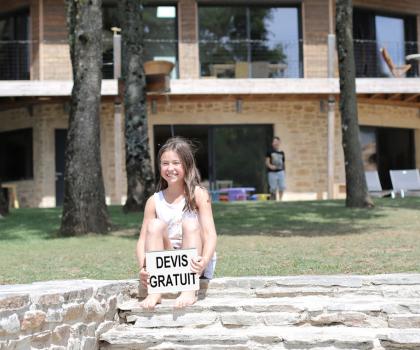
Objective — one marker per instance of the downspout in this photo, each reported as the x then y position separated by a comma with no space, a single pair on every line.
331,104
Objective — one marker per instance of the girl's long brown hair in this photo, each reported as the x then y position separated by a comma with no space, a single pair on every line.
184,149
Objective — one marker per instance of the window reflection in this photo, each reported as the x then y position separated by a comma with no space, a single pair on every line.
242,166
390,34
368,143
14,46
249,42
160,35
373,31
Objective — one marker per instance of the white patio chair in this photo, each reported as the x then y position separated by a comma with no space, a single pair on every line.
405,181
374,184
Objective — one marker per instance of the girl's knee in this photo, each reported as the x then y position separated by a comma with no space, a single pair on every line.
191,226
156,226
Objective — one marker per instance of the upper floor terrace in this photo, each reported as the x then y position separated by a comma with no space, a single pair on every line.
265,44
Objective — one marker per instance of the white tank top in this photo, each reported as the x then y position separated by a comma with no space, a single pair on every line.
172,215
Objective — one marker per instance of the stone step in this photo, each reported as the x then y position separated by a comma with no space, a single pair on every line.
310,338
229,312
393,285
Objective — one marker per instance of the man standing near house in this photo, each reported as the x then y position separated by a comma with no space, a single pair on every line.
275,163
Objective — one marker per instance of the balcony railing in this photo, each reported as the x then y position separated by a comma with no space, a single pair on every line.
250,59
229,59
285,59
154,49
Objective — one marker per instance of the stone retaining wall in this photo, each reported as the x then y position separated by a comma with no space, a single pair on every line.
60,314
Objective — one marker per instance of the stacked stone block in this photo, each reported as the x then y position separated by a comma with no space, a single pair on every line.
60,314
340,312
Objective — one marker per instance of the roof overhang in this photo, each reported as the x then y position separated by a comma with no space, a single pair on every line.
48,88
405,90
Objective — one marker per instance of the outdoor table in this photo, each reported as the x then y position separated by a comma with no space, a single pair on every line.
237,193
12,193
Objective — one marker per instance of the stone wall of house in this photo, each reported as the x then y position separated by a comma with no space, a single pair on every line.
315,27
44,119
60,315
188,50
56,61
301,124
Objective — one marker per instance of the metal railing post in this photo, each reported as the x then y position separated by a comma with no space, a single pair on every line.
331,119
116,41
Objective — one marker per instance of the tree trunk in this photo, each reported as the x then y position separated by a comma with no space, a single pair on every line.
356,188
4,206
140,177
84,208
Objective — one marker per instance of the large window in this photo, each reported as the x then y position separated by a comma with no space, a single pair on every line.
385,149
16,161
373,31
225,152
14,46
250,41
160,35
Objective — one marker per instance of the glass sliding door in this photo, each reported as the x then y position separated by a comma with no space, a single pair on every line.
225,152
385,149
395,152
369,148
197,134
239,153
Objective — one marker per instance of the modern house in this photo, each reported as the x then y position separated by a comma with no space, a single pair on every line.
244,71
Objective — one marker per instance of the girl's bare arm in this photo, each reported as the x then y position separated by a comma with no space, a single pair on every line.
149,214
205,215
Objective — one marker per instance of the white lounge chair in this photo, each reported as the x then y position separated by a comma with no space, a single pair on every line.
374,184
405,181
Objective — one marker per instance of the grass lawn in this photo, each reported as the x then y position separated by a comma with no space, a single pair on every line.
255,238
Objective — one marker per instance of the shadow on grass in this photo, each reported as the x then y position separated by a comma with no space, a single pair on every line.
23,224
37,223
312,218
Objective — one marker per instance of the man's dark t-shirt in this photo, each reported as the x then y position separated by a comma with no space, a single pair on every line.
277,159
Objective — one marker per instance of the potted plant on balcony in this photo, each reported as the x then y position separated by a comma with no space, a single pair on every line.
157,75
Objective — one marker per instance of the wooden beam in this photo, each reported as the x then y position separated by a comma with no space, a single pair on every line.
394,97
375,96
411,98
388,102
